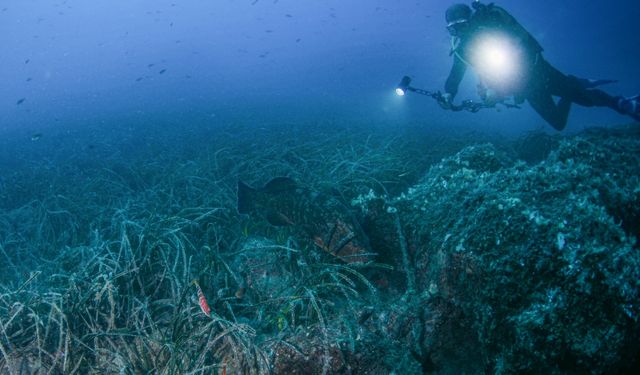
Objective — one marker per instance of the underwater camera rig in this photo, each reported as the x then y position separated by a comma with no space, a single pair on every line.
466,105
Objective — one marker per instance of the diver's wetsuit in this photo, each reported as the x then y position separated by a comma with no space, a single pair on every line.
540,81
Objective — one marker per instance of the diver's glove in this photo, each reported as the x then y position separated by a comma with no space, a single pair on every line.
445,101
491,97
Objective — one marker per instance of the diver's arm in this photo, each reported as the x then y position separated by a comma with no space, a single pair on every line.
455,76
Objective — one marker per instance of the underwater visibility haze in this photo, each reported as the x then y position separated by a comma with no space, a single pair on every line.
319,187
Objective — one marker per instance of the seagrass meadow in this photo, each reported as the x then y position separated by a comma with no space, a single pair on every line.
490,254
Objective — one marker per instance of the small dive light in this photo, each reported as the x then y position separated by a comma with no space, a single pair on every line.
403,86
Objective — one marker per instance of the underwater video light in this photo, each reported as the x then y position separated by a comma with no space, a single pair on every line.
403,86
497,59
466,105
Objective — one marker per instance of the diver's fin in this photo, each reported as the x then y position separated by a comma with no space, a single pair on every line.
593,83
246,198
279,185
277,219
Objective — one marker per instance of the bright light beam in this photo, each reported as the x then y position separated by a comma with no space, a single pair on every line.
497,59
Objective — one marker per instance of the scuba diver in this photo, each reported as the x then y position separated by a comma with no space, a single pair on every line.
509,63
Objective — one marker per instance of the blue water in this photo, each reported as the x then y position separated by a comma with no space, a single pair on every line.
238,59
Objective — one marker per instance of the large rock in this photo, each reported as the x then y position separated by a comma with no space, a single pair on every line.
529,269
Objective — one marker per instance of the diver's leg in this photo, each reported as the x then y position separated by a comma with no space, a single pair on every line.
556,115
593,98
571,88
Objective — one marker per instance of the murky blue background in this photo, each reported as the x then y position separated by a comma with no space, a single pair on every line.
76,62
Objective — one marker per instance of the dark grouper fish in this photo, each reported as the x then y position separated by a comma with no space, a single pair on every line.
327,221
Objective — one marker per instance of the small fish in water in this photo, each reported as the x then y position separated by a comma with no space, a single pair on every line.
323,217
298,40
202,300
162,71
29,79
139,79
36,136
150,65
26,61
20,101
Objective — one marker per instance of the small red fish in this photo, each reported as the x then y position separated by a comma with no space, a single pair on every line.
202,300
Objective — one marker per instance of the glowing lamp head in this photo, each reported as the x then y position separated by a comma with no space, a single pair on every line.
403,86
497,59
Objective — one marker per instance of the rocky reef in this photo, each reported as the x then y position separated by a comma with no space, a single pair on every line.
492,256
524,268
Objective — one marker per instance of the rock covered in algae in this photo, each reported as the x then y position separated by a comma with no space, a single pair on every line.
530,269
